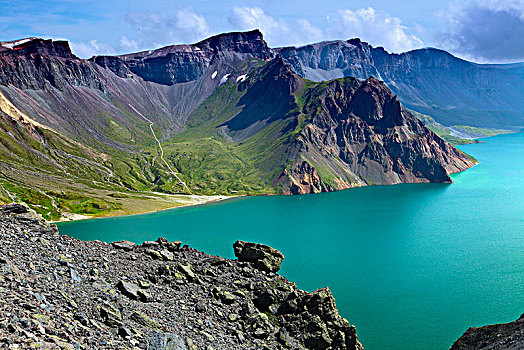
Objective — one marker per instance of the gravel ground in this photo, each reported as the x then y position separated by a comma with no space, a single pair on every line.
57,292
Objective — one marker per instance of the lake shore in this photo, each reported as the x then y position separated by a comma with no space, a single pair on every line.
179,201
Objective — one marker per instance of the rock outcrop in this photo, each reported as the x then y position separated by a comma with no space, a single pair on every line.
357,133
263,257
505,336
59,292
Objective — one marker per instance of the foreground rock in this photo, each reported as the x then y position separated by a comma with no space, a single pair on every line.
506,336
261,256
60,293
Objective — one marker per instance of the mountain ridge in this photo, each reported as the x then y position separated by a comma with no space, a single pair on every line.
483,99
232,116
430,81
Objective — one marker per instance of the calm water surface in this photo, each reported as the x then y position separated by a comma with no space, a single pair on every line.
412,266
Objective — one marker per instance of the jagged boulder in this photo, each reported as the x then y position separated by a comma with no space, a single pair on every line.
24,213
15,208
263,257
125,245
128,289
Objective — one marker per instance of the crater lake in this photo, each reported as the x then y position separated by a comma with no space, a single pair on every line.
411,266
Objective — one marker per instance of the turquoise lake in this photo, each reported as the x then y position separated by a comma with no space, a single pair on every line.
412,266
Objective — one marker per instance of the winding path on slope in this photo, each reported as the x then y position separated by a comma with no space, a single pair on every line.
161,149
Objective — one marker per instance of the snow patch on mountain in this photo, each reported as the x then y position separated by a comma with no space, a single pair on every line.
12,44
241,78
224,79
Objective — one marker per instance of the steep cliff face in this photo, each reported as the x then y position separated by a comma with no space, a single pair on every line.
429,81
39,64
359,134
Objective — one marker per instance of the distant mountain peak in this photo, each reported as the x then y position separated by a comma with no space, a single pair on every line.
251,42
182,63
251,36
15,43
33,45
243,42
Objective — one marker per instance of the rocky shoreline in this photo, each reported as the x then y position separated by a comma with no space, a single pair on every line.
57,292
508,336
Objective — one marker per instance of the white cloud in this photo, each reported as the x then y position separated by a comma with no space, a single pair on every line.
91,48
167,28
188,22
128,44
485,30
277,32
376,28
246,18
309,31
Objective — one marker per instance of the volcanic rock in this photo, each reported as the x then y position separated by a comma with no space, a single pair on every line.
261,256
505,336
238,306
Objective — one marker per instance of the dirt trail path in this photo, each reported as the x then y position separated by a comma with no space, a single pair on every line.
161,149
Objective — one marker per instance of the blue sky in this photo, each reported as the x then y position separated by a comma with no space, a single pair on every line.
479,30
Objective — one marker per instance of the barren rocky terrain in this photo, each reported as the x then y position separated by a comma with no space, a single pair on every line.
57,292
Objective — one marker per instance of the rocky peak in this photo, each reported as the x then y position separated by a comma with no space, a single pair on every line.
480,95
324,46
329,60
280,70
46,47
374,139
363,46
374,103
183,63
356,41
38,64
251,42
